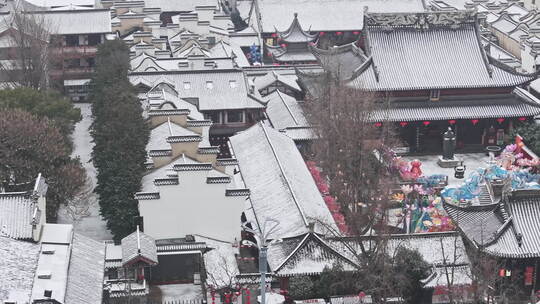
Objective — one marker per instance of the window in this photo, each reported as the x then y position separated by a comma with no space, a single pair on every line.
235,116
215,117
232,83
72,40
94,39
112,274
434,95
209,85
187,85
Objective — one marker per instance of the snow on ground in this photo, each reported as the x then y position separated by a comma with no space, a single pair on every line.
174,292
83,212
472,161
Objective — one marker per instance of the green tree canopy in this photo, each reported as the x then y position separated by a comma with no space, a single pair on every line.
120,136
48,104
530,132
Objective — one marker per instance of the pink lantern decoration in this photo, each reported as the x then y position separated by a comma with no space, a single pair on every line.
403,123
426,123
339,33
322,33
356,33
500,120
475,121
452,122
378,124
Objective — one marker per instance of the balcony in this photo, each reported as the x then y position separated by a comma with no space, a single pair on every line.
75,51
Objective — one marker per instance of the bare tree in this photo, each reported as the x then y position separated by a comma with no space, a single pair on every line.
29,54
352,149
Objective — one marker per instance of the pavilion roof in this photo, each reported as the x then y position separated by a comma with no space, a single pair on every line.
508,229
295,33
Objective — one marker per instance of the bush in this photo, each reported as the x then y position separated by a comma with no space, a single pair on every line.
301,288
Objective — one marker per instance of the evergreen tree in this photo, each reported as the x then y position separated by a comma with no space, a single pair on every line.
48,104
530,131
120,136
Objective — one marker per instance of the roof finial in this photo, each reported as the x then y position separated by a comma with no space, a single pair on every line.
295,15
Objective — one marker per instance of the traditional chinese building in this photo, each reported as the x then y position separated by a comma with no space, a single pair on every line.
183,166
430,71
292,45
505,229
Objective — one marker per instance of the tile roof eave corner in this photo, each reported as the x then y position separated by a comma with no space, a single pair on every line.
318,239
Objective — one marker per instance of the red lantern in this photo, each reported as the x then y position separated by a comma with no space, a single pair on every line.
475,121
274,35
426,123
356,33
270,54
403,123
500,120
452,122
321,33
283,45
378,124
339,33
522,118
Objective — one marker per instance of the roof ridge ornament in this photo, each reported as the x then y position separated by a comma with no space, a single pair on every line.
422,20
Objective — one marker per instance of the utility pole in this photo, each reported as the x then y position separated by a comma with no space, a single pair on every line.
262,235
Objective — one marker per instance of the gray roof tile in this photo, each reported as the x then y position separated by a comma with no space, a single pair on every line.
16,214
86,271
406,58
18,263
274,171
139,245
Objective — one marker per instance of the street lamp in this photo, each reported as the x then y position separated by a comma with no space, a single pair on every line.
262,236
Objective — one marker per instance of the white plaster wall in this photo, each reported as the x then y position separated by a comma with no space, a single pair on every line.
193,207
527,60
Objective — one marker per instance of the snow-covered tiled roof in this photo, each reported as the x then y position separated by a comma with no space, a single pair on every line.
138,245
18,262
60,3
16,215
229,50
286,114
86,271
214,89
272,77
305,255
327,15
284,111
180,6
159,135
342,61
69,22
275,172
406,58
